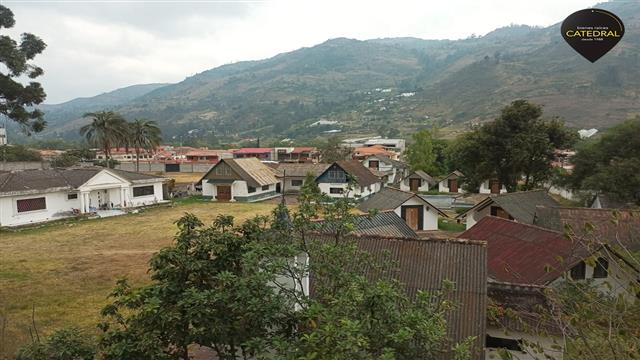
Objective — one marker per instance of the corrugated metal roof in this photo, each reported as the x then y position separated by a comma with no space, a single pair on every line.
424,264
384,223
525,254
391,198
613,227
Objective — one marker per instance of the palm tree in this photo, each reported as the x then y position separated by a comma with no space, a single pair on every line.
143,135
105,130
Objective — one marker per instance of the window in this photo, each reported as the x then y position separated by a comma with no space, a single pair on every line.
72,196
601,269
336,190
578,272
335,175
374,164
32,204
223,170
143,191
265,187
296,182
251,189
503,343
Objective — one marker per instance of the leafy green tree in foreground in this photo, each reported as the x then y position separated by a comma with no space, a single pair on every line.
611,164
241,291
517,145
64,344
16,98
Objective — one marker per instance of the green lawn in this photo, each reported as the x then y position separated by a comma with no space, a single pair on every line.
66,270
450,225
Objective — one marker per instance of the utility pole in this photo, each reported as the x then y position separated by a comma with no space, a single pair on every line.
284,184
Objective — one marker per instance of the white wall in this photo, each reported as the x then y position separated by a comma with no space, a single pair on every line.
405,186
474,216
548,345
58,207
146,200
382,167
355,192
485,189
443,186
429,216
239,188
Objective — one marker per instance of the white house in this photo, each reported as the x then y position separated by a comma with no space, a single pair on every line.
451,183
292,175
492,187
418,213
244,180
337,178
519,206
32,196
417,181
384,165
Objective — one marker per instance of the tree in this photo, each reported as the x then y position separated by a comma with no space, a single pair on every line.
332,150
16,99
610,164
420,154
19,153
517,145
107,129
145,135
63,344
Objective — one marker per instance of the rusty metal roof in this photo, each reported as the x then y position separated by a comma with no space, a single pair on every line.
526,254
425,263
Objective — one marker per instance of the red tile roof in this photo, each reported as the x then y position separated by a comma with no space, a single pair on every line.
298,150
525,254
253,151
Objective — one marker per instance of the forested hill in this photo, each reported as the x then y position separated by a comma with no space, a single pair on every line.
400,84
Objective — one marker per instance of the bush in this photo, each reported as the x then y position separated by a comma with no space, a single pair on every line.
63,344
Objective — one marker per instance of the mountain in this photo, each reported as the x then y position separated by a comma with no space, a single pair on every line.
59,114
398,85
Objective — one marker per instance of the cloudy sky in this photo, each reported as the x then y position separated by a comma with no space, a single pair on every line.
98,46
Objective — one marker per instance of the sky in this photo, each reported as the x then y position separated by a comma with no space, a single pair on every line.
98,46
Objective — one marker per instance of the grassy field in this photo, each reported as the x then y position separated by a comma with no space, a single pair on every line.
67,270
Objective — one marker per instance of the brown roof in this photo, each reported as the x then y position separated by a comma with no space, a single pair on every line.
424,264
361,174
60,178
300,169
610,226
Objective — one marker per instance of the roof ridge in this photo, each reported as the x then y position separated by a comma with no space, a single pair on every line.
519,223
430,239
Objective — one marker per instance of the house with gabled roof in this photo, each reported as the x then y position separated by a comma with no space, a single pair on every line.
244,180
292,175
452,183
518,206
492,186
417,212
417,181
335,180
527,254
383,223
383,164
33,196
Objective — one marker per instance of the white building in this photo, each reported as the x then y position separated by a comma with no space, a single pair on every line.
382,165
492,187
244,180
451,183
348,178
33,196
417,212
418,181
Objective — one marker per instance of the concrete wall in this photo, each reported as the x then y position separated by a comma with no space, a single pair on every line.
239,191
160,167
24,165
58,207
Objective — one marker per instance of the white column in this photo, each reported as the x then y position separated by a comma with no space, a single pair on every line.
84,202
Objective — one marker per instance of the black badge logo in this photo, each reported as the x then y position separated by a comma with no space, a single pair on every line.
592,32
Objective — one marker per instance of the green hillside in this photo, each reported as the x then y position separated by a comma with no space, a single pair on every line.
399,85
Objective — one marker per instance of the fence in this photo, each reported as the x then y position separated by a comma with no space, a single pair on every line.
162,167
24,165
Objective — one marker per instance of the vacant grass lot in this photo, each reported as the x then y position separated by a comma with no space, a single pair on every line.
67,270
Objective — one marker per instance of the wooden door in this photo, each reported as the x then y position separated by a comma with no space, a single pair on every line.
412,215
224,193
495,186
453,185
414,184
